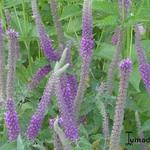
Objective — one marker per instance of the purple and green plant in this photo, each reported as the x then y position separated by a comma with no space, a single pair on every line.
125,70
58,25
37,118
10,116
86,50
144,66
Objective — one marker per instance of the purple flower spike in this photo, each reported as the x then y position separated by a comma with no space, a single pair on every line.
87,42
34,126
145,74
139,49
39,75
69,90
11,120
65,100
144,67
45,41
37,119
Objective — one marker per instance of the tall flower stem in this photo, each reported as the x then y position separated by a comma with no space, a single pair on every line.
125,69
57,23
114,62
102,107
2,70
11,117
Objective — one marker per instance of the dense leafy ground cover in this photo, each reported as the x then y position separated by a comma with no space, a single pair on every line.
106,18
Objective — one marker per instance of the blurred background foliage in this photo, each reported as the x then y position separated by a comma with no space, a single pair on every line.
106,19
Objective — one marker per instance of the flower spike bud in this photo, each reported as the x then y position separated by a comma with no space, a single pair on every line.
61,70
62,60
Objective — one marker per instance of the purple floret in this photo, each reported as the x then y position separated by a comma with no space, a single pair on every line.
126,65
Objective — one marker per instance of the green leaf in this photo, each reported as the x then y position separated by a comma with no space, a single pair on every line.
135,78
146,126
106,51
8,146
143,101
20,145
107,21
70,11
74,25
84,144
105,7
9,4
